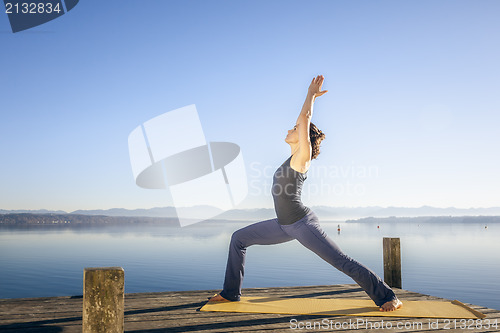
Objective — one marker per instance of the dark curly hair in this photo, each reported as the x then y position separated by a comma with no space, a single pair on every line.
316,136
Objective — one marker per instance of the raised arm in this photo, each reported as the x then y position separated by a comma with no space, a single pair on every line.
304,120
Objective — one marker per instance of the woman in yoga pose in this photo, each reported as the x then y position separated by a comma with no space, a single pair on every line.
296,221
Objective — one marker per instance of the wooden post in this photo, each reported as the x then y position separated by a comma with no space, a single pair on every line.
392,262
103,300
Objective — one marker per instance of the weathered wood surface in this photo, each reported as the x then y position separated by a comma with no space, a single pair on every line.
103,300
178,311
392,262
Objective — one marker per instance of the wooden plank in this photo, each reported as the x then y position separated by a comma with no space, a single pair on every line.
178,311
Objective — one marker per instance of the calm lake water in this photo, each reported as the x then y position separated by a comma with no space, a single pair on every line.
454,261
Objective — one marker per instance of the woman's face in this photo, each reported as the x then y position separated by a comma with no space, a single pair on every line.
293,135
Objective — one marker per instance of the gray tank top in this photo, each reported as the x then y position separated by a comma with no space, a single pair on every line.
286,190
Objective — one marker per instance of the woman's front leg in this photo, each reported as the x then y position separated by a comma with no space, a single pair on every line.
262,233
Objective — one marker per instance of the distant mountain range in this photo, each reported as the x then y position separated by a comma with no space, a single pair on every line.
256,214
76,220
430,219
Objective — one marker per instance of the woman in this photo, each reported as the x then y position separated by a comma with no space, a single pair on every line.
296,221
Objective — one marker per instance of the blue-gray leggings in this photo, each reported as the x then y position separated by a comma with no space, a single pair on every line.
309,233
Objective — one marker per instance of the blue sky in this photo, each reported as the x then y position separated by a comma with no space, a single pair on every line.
411,117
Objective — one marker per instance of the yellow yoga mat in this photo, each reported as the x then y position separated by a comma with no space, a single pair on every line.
344,307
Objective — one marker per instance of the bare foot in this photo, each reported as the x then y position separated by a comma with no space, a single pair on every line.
217,298
391,305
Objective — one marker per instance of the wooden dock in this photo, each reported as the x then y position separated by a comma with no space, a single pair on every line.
178,311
